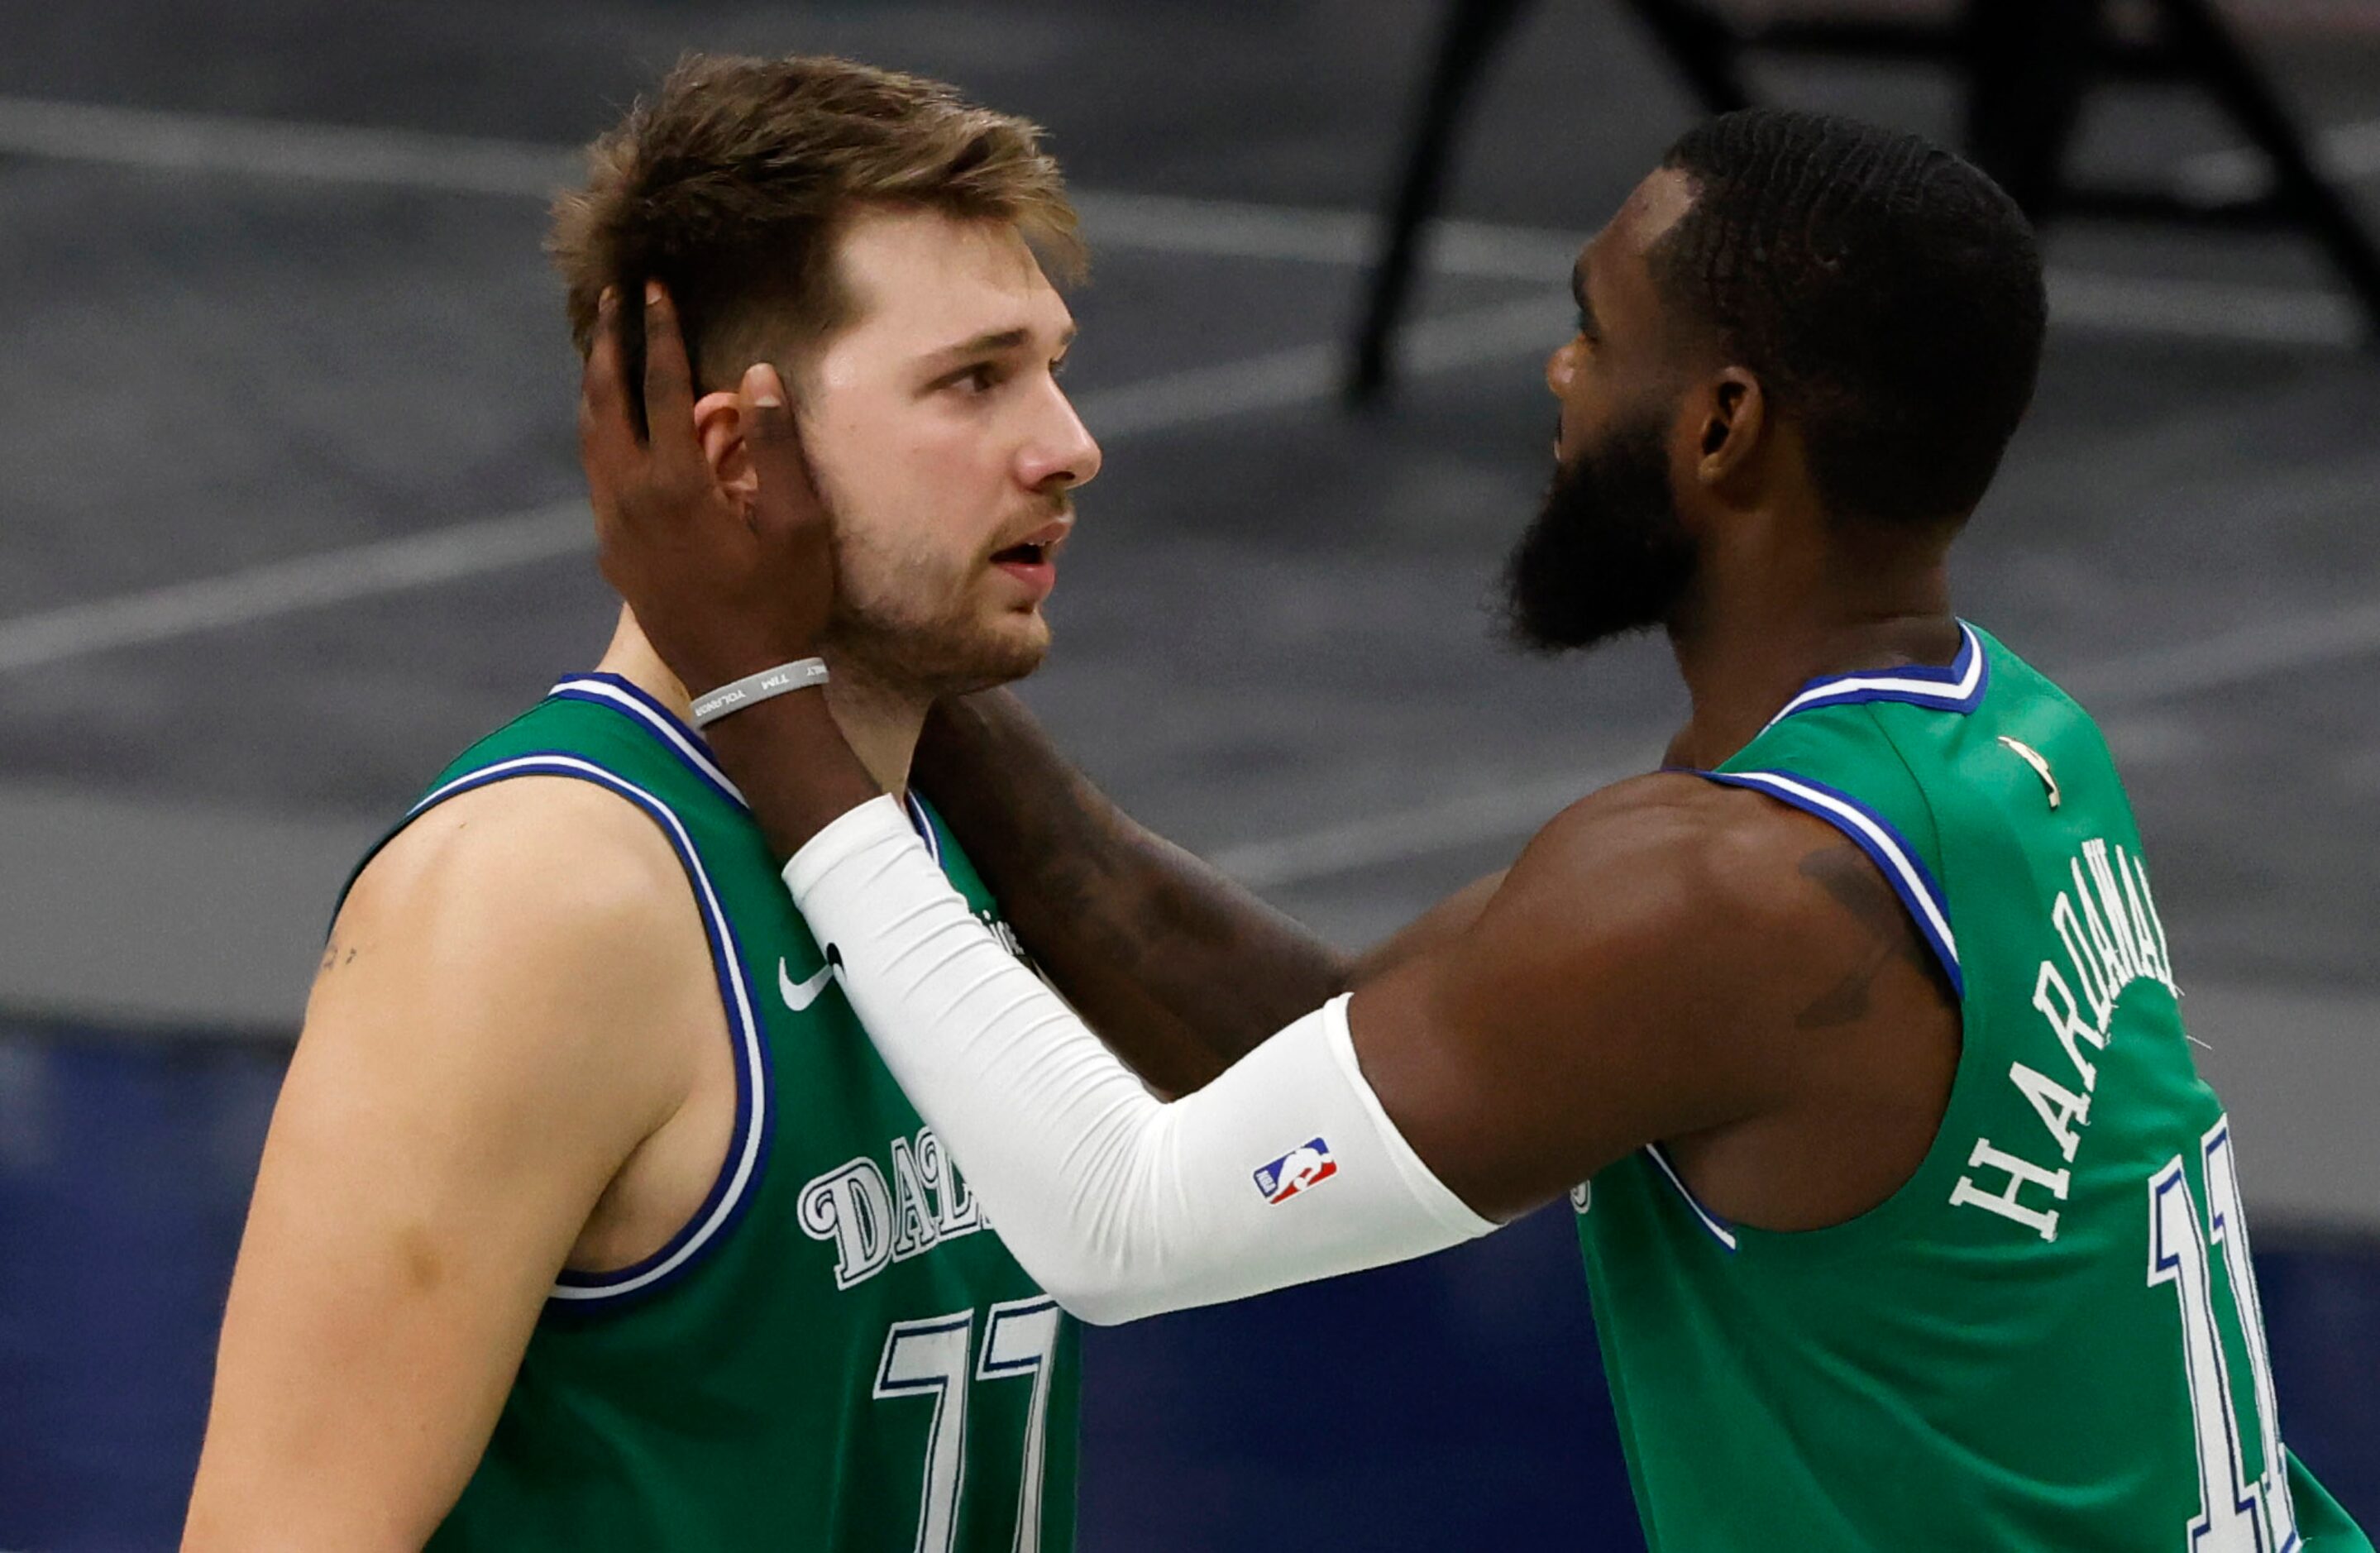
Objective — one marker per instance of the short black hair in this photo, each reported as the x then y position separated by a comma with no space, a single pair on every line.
1888,294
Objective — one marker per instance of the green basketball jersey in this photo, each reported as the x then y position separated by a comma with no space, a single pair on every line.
835,1353
2048,1338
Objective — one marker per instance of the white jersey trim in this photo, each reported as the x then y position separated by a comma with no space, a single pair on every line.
1959,687
1884,845
688,747
1720,1230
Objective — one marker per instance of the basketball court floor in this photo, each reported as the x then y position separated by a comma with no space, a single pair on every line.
292,513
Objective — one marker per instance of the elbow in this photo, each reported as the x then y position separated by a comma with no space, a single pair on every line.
1105,1306
1097,1243
1100,1285
1093,1293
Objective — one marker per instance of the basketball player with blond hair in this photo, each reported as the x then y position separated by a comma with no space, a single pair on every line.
588,1217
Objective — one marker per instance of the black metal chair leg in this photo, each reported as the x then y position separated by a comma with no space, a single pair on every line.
2030,64
1472,32
2200,31
1703,46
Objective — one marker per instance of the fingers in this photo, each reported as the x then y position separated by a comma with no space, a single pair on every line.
787,497
669,382
764,397
605,434
600,385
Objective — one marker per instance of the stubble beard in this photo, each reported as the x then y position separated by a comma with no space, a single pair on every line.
909,626
930,657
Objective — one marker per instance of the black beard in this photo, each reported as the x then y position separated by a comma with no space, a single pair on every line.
1606,553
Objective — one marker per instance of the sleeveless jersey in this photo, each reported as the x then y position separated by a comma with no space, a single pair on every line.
835,1352
2048,1337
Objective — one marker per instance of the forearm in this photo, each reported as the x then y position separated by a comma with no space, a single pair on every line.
1180,968
1119,1205
792,765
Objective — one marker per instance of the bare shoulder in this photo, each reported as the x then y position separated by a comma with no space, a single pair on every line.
1675,849
1669,957
535,861
540,921
1706,898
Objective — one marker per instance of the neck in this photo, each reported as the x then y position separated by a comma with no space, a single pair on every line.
881,722
1760,627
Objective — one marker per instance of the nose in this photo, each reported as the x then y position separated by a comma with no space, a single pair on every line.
1560,366
1063,454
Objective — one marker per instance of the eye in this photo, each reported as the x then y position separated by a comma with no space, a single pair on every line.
971,382
1058,365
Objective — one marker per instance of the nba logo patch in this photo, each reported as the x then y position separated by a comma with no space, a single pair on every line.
1309,1164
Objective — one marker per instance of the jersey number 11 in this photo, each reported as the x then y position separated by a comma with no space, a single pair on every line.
2235,1514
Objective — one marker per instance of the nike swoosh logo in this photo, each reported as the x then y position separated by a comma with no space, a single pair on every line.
799,995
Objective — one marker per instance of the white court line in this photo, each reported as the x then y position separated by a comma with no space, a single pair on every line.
465,164
2240,657
519,169
281,149
1232,229
2203,310
466,550
1401,835
480,164
284,586
1520,807
2349,153
1304,374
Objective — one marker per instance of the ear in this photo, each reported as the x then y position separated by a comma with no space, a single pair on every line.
1734,415
719,425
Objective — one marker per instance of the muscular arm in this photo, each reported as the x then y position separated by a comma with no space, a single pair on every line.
1646,973
1181,969
1636,978
477,1064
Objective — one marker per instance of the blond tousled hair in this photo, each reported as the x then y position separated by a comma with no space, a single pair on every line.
731,183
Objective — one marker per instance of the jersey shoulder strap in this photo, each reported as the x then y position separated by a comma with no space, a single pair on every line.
1840,750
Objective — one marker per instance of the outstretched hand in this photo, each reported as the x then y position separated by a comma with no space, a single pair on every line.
723,586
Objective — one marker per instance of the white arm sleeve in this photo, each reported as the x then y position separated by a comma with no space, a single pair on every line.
1282,1171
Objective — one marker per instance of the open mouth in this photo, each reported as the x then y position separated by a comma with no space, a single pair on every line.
1026,554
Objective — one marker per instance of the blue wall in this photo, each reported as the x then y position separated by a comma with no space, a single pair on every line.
1448,1403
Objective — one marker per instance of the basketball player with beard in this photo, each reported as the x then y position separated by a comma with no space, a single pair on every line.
1851,1032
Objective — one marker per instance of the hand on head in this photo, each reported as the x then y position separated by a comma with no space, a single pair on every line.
723,584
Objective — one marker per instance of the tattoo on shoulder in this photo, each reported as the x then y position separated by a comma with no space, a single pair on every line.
1851,882
334,955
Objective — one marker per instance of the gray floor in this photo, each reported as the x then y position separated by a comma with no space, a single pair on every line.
289,512
315,375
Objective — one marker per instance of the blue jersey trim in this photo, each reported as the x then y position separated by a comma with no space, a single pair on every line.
1885,848
739,1174
921,819
1720,1230
622,695
1959,687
